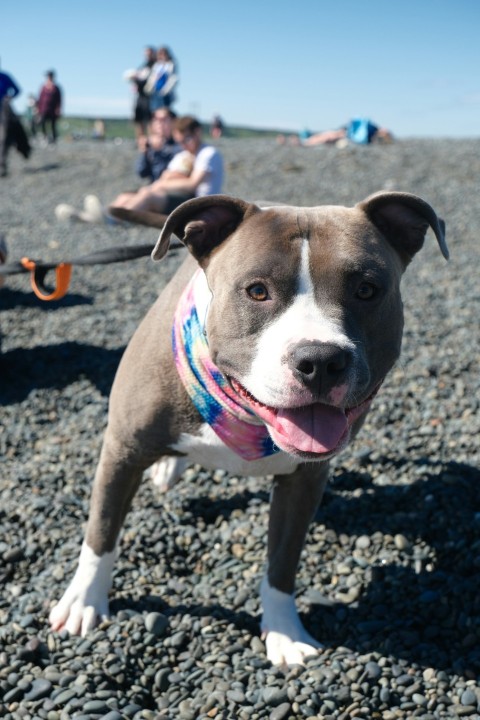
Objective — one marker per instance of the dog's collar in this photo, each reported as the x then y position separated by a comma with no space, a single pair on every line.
218,404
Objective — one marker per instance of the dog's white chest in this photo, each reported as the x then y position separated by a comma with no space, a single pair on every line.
207,450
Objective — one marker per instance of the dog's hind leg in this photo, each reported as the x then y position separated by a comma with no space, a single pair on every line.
166,472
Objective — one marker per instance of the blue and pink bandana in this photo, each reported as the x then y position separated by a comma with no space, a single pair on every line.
218,404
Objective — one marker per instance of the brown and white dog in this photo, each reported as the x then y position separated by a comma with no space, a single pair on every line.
298,319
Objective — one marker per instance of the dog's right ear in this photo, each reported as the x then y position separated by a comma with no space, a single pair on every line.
203,223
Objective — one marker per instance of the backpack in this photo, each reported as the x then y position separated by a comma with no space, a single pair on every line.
361,131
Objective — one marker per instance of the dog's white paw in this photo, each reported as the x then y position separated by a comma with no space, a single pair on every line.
78,614
85,602
64,212
286,640
285,650
167,471
93,209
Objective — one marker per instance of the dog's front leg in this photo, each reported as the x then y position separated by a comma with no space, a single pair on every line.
295,499
85,602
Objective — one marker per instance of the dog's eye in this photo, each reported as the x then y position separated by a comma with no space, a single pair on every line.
366,291
258,291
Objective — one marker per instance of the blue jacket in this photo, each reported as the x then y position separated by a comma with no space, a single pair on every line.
8,87
152,163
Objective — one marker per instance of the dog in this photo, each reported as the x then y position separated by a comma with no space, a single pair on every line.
261,356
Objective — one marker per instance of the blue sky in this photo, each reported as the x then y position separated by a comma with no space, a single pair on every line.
410,65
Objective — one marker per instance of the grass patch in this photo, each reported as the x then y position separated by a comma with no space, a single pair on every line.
81,128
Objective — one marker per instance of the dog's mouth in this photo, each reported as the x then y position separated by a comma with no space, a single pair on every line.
313,430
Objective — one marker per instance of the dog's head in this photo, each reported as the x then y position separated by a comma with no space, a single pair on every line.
305,318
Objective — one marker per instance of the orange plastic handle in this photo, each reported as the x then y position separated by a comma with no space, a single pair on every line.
63,273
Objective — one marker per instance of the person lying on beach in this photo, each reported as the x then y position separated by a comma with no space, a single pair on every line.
360,131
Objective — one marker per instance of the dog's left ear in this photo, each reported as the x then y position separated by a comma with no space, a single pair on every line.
404,220
203,223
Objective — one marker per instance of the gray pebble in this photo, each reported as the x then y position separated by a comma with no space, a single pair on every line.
385,695
363,542
469,697
373,670
13,695
419,699
63,697
280,712
95,707
401,542
40,688
156,623
274,696
161,680
236,696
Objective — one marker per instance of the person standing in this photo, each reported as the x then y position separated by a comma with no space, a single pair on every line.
217,127
49,106
142,114
162,80
8,90
32,115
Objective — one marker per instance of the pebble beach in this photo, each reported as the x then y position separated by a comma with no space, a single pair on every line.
390,574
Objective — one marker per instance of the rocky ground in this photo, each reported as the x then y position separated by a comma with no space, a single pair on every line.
390,575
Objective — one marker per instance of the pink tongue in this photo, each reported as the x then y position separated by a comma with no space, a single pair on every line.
313,429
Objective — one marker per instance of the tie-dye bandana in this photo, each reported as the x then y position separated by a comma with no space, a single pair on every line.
218,404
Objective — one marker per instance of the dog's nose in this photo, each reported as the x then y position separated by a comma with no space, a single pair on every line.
320,366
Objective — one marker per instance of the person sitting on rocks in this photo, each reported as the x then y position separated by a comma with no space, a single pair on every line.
158,148
161,155
172,188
